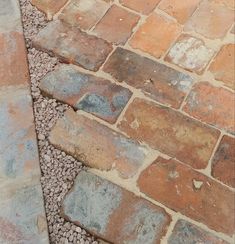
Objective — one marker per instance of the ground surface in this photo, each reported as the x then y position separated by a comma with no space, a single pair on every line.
143,94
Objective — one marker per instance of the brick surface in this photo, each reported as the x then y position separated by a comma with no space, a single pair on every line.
156,80
185,232
117,216
180,10
191,193
223,65
72,45
218,18
144,7
84,13
190,53
212,105
223,163
117,25
156,35
98,146
94,95
170,132
227,3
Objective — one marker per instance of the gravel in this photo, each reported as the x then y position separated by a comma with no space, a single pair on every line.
58,169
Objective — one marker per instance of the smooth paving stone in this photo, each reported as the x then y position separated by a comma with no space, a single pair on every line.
113,213
86,92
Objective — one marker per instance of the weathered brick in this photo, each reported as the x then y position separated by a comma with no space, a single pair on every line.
92,94
156,35
190,53
97,145
170,132
227,3
223,163
223,65
84,13
181,10
117,216
144,7
233,29
72,45
117,25
213,105
193,194
186,232
156,80
218,18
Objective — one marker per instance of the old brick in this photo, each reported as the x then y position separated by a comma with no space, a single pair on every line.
84,13
181,10
218,18
212,105
72,45
92,94
170,132
156,80
227,3
208,202
223,163
223,65
190,53
117,25
117,216
185,232
144,7
156,35
98,146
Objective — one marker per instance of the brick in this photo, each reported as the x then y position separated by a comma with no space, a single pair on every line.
98,146
213,105
219,19
144,7
227,3
190,53
156,80
13,64
223,163
223,66
92,94
84,13
71,45
186,232
170,132
117,25
156,35
49,7
180,10
233,29
190,193
117,216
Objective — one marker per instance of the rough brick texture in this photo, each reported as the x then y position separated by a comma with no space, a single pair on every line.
98,146
156,80
117,215
170,132
223,163
191,193
72,45
94,95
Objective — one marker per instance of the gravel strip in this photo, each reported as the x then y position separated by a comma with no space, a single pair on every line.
58,169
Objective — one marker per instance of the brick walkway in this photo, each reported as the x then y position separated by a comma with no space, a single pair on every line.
22,216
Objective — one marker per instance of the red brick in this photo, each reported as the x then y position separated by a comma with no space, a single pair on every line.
72,45
156,35
156,80
181,10
212,105
189,192
170,132
117,25
218,18
223,163
223,65
144,7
